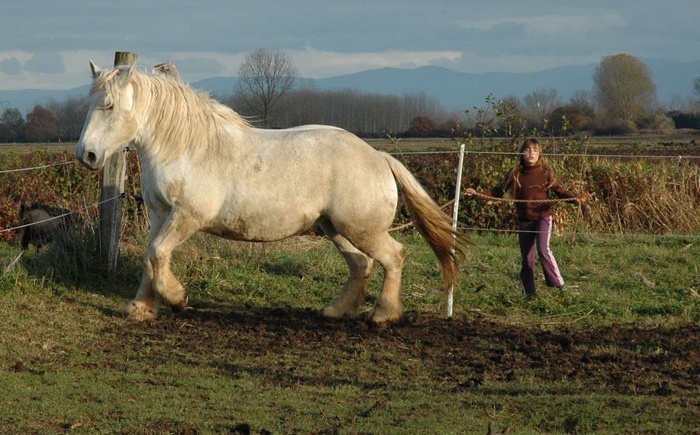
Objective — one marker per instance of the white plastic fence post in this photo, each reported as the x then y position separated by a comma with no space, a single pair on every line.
455,211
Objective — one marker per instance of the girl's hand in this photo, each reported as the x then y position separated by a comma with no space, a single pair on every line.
583,198
470,192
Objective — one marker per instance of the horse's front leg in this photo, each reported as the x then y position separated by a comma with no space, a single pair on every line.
146,304
158,282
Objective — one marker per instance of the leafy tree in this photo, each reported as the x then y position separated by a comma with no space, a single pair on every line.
512,120
570,118
41,125
422,126
624,88
264,77
11,126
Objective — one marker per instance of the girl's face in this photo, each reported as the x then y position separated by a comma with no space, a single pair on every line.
531,154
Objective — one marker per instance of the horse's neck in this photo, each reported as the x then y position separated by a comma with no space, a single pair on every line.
226,144
193,129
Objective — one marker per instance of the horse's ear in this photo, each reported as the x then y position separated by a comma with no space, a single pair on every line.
96,70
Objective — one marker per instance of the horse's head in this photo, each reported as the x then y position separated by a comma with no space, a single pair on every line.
110,124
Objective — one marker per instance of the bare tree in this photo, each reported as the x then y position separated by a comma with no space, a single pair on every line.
624,88
359,112
582,100
71,114
264,77
539,104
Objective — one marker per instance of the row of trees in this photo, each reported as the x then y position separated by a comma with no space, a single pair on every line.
623,99
363,113
54,122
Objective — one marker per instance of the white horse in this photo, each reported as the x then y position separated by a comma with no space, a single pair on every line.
206,169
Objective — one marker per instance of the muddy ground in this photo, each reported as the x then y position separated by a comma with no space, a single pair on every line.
468,349
464,351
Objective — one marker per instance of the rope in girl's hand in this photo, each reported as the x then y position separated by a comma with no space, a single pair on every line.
585,197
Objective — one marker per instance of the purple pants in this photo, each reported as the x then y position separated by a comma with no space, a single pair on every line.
531,234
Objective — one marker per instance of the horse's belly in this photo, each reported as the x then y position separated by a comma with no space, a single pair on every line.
262,228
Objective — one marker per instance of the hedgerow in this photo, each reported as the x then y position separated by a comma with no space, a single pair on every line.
630,194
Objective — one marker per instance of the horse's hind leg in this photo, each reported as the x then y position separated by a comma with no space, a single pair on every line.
390,254
349,301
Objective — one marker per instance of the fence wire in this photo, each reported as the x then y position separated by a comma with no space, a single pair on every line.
68,213
7,171
461,227
514,153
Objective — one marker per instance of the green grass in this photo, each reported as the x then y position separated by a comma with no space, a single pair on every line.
634,279
70,363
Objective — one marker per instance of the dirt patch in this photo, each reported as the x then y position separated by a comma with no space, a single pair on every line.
464,352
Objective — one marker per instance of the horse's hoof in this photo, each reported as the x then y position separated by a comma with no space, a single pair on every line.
180,306
330,312
184,313
140,312
381,317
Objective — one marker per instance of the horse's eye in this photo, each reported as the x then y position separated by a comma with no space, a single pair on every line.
107,106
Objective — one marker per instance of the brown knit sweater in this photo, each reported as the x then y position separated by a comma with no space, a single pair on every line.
535,183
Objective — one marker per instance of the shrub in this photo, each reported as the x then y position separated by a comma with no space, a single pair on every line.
653,196
615,128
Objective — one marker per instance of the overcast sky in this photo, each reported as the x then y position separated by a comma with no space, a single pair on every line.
48,44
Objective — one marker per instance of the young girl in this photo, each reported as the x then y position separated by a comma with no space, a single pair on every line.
531,180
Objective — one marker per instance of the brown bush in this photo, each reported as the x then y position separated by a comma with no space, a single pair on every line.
630,195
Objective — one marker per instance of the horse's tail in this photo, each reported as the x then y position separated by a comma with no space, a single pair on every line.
433,224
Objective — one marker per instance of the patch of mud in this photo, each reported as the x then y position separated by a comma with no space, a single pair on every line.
463,351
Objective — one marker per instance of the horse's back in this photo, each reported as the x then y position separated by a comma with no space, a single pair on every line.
314,149
348,178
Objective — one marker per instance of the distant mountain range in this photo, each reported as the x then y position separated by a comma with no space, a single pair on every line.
454,90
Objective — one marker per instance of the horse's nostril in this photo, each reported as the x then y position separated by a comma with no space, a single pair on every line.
91,158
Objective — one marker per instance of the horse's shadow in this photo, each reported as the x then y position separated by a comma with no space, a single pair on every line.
73,263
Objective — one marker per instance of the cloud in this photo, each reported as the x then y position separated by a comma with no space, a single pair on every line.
210,37
475,62
49,62
11,66
316,63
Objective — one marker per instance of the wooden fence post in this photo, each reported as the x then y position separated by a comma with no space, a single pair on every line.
111,198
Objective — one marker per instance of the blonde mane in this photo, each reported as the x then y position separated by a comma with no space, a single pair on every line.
182,116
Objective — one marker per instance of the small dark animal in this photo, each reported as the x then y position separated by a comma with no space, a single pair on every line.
43,222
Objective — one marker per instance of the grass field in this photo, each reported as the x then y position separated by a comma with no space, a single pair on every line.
616,352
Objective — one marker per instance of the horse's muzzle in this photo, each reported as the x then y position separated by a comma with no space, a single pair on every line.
90,160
